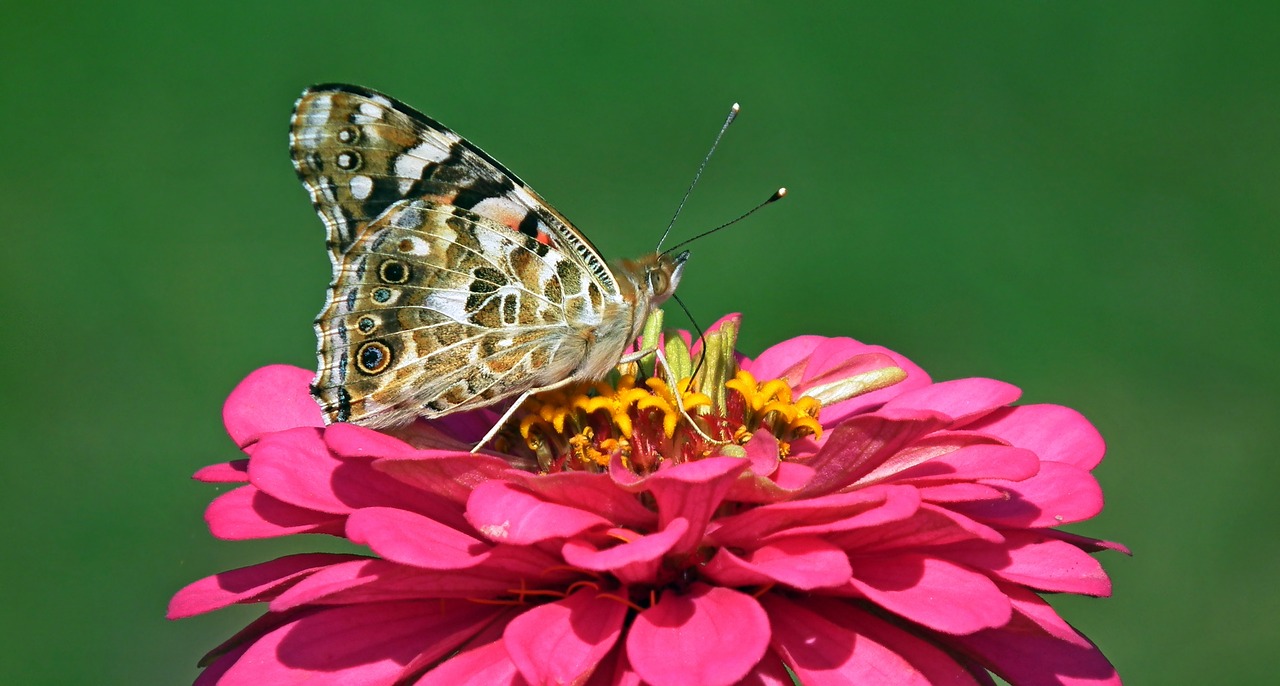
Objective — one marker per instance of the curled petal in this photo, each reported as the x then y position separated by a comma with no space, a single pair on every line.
487,664
710,636
632,562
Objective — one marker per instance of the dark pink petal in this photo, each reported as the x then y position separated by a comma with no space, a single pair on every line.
858,446
968,463
252,584
357,644
868,507
960,493
961,399
562,642
634,561
450,475
1042,563
234,472
933,592
410,538
247,513
614,670
1089,545
1037,648
692,491
1055,433
505,513
351,440
928,525
487,664
802,562
591,492
297,467
374,580
273,398
1059,494
708,637
768,672
830,643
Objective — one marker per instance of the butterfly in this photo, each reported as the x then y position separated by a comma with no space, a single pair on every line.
455,286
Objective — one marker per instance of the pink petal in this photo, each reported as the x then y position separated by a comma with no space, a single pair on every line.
484,665
297,467
935,593
768,672
708,637
1055,433
858,446
562,642
969,463
928,526
868,507
591,492
692,491
1037,648
357,644
1038,562
1059,494
412,539
234,472
505,513
828,642
961,399
248,584
633,562
273,398
802,562
248,513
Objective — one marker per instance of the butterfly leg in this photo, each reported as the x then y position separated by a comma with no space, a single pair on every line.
515,406
674,383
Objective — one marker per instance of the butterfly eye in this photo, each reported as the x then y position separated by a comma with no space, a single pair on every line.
658,281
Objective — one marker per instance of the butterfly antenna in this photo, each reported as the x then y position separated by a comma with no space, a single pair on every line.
777,195
733,113
702,336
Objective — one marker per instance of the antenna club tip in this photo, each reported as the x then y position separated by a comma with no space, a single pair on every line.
735,108
778,195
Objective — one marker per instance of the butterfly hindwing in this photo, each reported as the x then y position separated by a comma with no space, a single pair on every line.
435,309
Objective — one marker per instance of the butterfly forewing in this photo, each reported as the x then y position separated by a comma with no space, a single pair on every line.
455,285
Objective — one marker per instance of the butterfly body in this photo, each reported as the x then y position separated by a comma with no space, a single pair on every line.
455,285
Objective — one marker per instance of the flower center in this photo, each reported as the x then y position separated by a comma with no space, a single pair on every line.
644,419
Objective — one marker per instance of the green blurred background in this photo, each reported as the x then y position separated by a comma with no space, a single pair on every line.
1079,198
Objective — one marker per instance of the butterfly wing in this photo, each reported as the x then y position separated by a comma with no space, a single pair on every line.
358,151
454,284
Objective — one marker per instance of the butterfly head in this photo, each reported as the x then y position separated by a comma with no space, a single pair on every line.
662,275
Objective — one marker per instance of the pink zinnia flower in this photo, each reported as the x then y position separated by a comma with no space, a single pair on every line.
824,508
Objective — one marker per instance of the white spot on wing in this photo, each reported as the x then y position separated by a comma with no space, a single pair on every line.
502,209
318,111
371,110
361,186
